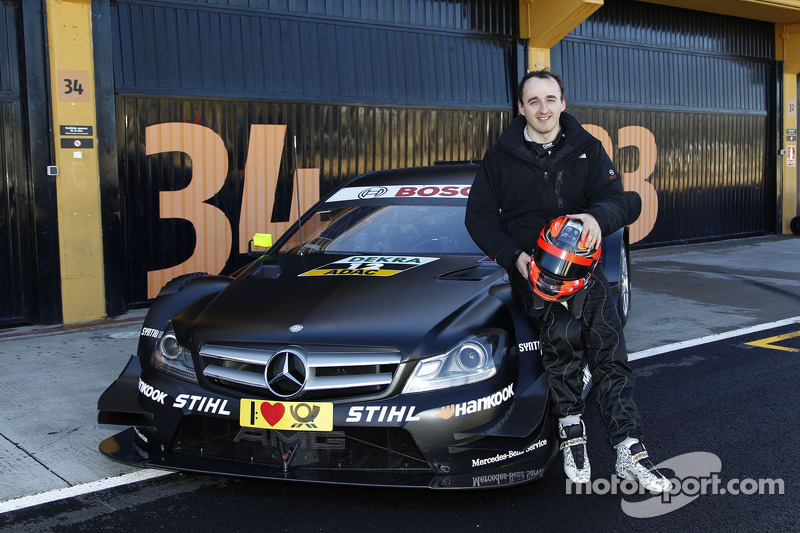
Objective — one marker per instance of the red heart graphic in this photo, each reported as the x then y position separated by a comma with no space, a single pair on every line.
272,413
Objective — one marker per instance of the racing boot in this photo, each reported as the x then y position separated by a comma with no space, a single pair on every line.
633,463
573,446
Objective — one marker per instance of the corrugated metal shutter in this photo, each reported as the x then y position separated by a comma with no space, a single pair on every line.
419,53
341,141
16,291
484,16
700,84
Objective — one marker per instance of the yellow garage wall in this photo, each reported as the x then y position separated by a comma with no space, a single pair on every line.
77,184
788,51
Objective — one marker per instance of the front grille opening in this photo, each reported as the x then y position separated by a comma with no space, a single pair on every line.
247,367
348,370
356,449
341,394
333,373
319,395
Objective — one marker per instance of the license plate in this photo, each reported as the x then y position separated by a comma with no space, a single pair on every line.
297,416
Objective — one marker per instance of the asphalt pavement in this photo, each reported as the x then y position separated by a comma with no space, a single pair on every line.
52,376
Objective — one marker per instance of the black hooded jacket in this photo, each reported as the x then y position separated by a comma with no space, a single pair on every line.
517,191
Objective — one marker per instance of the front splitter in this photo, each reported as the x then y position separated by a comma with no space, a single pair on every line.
122,447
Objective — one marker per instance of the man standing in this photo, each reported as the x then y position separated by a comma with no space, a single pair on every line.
546,165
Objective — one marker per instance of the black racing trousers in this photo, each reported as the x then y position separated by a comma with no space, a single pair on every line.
596,336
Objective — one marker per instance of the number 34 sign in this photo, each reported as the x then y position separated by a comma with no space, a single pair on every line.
73,85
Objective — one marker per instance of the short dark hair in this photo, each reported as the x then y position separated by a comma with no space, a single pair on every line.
541,74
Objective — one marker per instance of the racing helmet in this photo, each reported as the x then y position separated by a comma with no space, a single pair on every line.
561,262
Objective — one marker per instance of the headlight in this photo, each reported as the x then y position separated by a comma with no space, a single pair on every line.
470,361
172,358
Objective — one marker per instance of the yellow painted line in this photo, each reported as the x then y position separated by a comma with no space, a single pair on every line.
770,342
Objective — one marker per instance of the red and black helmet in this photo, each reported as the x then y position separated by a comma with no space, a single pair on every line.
561,262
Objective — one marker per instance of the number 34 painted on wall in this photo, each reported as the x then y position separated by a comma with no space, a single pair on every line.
209,172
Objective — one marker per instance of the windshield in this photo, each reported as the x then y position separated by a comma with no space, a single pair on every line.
385,229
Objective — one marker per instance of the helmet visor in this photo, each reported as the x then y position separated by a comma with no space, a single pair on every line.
560,263
550,288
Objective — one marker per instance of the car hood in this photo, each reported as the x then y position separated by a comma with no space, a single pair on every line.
345,300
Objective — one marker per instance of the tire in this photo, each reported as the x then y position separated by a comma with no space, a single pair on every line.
794,225
624,297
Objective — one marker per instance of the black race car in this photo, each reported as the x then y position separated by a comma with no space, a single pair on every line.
375,344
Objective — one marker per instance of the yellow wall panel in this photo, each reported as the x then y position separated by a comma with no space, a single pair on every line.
789,50
77,184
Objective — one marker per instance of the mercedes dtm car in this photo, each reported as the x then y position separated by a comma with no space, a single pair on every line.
372,344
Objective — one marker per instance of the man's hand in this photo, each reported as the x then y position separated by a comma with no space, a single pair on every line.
524,264
591,229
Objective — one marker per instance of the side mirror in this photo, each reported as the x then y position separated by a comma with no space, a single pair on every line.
259,240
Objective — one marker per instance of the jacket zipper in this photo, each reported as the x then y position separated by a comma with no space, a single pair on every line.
559,179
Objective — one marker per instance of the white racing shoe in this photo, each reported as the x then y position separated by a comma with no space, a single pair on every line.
633,463
573,446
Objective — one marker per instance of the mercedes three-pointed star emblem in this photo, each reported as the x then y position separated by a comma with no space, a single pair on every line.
286,373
